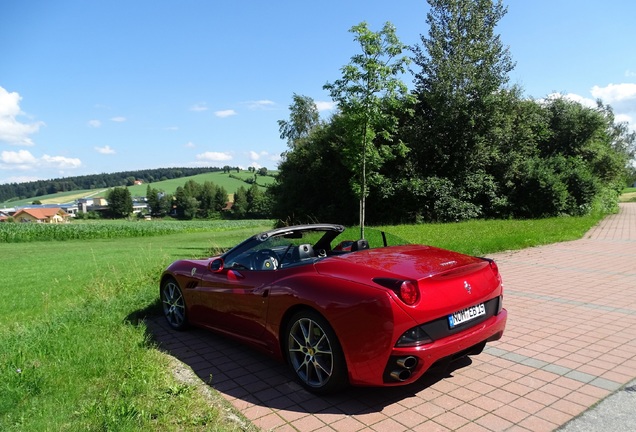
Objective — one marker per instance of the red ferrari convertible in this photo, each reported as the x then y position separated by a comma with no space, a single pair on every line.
340,312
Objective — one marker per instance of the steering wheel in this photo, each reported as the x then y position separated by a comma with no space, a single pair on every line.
264,259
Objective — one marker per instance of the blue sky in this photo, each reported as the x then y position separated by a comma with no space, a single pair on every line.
102,86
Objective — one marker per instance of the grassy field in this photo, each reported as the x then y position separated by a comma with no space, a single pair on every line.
75,353
628,195
218,178
170,186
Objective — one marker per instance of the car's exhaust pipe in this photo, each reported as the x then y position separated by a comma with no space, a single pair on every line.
406,366
407,362
401,374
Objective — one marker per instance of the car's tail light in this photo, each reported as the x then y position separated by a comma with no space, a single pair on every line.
499,305
495,268
407,291
413,337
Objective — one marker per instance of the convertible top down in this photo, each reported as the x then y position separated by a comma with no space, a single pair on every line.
341,312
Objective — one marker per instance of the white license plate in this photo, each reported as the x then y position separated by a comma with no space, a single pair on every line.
466,315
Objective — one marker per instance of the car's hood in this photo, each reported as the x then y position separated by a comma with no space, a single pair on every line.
413,262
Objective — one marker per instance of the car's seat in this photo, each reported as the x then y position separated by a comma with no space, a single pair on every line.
359,245
302,252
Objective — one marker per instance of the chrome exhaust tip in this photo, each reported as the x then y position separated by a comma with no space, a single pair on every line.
401,374
407,362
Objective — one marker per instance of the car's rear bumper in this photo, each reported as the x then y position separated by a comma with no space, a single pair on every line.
407,365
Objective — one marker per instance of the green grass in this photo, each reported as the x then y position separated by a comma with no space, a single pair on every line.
73,354
481,237
57,198
104,229
218,178
169,186
628,195
76,355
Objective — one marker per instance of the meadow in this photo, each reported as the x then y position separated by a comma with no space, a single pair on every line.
75,353
628,195
231,184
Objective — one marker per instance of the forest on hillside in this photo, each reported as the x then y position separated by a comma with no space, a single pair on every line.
14,191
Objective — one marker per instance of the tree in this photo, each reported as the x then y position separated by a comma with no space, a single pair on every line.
120,203
258,203
186,204
206,200
369,85
220,199
303,118
159,202
310,179
240,206
461,102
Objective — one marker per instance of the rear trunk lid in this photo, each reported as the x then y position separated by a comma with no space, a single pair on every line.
448,281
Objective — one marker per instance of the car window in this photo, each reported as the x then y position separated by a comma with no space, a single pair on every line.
278,252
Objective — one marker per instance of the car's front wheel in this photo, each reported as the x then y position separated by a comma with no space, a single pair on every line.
314,353
174,307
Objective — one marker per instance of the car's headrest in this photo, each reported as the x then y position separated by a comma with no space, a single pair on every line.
305,251
359,245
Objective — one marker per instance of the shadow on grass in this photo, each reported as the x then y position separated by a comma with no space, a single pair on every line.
152,311
238,371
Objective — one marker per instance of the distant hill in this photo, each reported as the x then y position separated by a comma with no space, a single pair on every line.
166,179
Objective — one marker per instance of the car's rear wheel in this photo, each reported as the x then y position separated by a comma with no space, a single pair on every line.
314,353
174,307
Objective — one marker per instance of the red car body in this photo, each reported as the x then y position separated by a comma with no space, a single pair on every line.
386,314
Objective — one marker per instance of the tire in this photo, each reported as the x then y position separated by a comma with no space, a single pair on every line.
314,353
173,304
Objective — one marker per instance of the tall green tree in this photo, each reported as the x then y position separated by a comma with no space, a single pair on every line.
159,202
303,117
120,203
240,205
186,204
370,83
461,94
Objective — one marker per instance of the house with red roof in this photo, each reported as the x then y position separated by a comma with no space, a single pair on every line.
41,215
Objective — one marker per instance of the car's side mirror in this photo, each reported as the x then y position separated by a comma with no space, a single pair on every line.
216,265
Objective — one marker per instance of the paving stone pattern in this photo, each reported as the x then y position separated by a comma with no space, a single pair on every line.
569,343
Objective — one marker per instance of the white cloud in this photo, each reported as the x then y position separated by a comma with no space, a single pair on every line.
189,144
630,73
225,113
622,97
214,156
260,104
118,119
94,123
60,162
21,157
256,156
198,107
325,105
13,131
105,150
24,160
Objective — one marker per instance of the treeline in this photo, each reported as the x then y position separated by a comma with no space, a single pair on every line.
462,144
96,181
208,201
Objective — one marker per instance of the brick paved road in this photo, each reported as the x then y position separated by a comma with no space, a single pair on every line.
570,342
